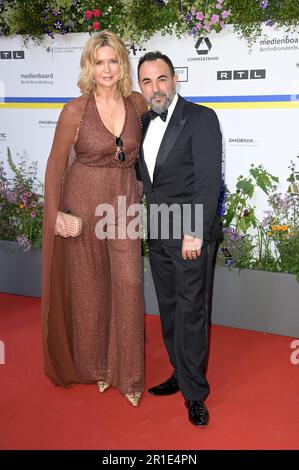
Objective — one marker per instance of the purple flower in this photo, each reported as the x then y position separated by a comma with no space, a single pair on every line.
207,26
228,262
11,196
188,18
225,14
33,214
49,33
24,242
219,6
269,23
214,19
56,13
57,24
23,198
200,16
221,210
264,4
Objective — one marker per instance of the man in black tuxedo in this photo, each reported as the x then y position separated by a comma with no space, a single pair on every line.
180,163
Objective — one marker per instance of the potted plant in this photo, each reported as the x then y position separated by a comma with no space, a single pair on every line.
263,293
21,212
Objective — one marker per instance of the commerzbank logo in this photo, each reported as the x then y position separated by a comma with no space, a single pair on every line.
203,48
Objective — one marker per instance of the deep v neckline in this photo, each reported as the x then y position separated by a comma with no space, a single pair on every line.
102,123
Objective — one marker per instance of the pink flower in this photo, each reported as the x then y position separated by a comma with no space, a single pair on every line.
97,13
96,25
220,1
33,214
225,14
88,14
200,16
222,24
193,11
219,6
199,25
207,27
214,19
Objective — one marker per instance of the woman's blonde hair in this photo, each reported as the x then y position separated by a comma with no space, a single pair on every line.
104,38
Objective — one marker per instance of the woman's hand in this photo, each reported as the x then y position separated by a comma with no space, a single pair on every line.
60,227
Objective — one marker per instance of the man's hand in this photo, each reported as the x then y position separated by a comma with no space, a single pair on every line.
191,247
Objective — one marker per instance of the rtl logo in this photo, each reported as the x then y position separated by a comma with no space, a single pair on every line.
8,55
255,74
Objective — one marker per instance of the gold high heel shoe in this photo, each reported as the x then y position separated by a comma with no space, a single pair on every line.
133,398
102,385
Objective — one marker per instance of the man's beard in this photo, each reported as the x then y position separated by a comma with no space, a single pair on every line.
160,108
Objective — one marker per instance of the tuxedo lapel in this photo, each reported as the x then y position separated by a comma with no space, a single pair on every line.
174,128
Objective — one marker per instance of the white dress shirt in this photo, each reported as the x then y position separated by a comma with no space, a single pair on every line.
154,136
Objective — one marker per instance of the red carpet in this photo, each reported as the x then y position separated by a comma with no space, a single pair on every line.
254,400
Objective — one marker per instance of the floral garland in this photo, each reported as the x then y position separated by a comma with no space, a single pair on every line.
139,20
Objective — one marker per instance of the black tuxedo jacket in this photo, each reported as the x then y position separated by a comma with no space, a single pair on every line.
188,164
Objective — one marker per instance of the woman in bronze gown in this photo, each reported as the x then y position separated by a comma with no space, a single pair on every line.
92,311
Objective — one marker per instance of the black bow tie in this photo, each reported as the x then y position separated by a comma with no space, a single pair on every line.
153,115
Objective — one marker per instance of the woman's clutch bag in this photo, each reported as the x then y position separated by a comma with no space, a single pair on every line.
73,224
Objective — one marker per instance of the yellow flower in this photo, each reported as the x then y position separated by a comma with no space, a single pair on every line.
269,234
21,206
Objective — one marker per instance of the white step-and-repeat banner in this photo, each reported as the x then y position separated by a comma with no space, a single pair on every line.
254,92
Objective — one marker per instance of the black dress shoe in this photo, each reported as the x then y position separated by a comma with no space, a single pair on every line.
198,413
169,387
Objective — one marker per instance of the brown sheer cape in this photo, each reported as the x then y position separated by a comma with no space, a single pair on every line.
56,332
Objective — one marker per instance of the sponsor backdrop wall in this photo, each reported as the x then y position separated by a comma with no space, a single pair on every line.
254,92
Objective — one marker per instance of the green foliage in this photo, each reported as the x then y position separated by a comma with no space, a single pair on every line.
271,244
21,203
139,20
248,16
148,17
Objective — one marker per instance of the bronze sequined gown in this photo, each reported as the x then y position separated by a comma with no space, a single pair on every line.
103,277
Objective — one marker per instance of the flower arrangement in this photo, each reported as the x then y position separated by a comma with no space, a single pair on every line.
138,20
21,203
35,19
203,17
271,244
